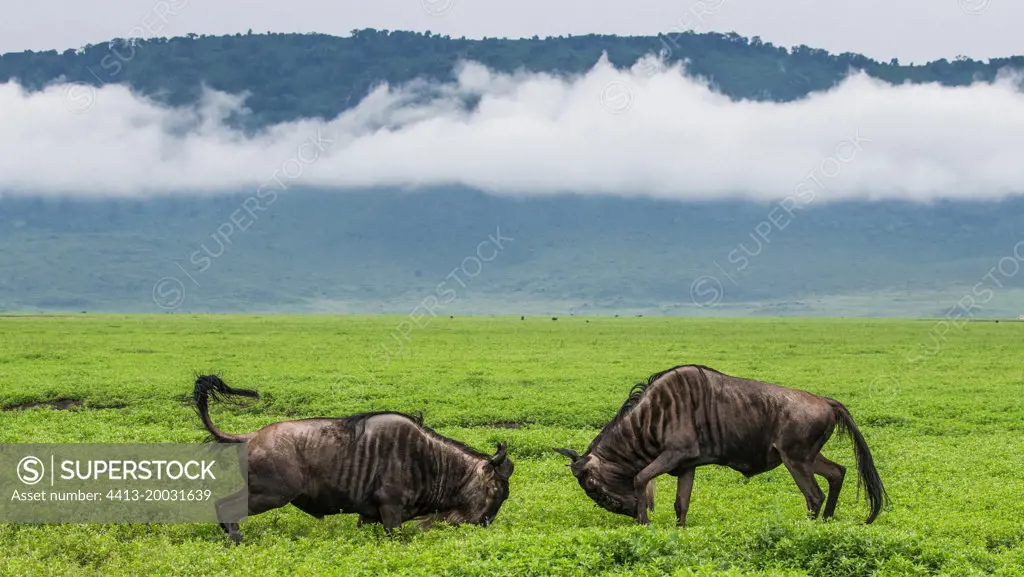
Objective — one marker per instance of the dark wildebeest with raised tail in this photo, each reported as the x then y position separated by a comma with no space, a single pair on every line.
387,467
692,415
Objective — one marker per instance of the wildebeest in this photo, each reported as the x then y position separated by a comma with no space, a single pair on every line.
387,467
692,415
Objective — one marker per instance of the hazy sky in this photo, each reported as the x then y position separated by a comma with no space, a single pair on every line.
911,30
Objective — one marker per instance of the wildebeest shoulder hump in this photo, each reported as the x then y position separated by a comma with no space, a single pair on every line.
358,423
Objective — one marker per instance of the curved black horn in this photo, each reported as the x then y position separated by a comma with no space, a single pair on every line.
568,453
499,457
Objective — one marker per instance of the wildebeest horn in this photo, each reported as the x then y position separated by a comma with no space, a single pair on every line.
499,457
568,453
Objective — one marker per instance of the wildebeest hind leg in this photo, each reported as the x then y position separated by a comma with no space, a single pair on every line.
803,474
833,473
229,510
258,503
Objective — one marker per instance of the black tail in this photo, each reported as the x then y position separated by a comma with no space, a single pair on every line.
212,385
867,474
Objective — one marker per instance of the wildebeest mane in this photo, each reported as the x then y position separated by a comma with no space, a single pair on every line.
635,394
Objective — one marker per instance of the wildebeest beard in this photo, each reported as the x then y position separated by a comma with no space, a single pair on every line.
609,502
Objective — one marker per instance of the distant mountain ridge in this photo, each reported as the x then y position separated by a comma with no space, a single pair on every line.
293,76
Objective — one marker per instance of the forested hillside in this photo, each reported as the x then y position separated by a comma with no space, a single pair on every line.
292,76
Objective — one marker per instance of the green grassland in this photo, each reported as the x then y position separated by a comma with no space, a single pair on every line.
946,430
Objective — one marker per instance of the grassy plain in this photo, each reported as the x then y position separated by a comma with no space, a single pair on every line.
946,430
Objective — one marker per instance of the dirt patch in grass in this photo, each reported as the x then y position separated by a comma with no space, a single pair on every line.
59,404
110,406
64,405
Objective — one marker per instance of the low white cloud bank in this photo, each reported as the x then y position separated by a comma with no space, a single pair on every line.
647,131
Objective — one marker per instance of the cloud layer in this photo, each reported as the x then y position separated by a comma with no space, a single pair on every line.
648,131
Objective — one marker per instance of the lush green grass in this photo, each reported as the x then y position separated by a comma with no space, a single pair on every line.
946,434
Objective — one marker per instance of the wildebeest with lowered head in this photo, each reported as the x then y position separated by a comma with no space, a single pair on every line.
387,467
692,415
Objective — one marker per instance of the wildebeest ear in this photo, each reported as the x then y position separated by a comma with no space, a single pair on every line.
499,457
568,453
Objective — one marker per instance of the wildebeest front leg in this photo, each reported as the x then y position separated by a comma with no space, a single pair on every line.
667,461
391,518
364,520
683,491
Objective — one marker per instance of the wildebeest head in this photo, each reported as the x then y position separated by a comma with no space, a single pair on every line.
485,492
608,486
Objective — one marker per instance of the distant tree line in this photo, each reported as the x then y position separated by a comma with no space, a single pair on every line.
290,76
